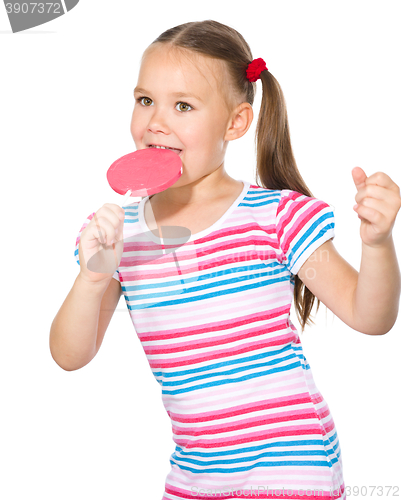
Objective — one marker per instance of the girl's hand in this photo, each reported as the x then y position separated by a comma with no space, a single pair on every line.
378,201
98,257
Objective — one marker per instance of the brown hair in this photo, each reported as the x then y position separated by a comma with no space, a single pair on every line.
276,167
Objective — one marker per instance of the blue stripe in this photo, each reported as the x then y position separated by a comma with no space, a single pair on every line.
267,454
214,366
250,449
233,381
201,297
307,235
275,269
227,372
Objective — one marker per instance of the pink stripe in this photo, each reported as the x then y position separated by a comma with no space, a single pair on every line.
156,260
233,398
228,232
185,251
287,236
241,218
245,423
218,354
296,430
241,409
169,316
250,333
292,233
298,494
216,326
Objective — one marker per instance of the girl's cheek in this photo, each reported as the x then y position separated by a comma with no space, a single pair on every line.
137,140
136,128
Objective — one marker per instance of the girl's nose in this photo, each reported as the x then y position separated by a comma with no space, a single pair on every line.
158,123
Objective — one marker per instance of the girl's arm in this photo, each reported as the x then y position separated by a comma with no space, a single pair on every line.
78,329
367,301
377,295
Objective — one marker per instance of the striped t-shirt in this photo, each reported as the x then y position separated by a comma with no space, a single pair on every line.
213,318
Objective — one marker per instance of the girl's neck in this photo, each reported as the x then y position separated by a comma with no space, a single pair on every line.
203,190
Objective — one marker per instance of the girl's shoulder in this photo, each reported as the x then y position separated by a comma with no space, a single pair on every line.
284,197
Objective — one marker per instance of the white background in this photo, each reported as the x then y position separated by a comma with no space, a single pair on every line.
66,100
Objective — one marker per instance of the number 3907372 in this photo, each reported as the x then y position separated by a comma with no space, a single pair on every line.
376,491
32,7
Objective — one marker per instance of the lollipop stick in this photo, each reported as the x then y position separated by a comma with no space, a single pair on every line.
127,196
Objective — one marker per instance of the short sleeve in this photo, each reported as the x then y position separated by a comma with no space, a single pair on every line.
76,253
302,225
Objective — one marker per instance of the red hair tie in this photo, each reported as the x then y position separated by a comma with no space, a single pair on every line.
255,68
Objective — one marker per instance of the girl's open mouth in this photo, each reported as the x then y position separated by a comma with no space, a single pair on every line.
178,151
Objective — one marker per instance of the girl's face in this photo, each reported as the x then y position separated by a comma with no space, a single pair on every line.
178,105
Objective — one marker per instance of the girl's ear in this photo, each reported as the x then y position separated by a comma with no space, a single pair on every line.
240,121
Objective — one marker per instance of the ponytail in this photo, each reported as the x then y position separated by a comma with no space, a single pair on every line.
276,168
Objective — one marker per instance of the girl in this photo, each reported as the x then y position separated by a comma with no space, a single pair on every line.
213,312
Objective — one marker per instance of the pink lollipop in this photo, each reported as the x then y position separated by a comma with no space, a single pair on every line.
145,172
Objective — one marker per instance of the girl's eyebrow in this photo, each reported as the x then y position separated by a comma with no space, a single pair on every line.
179,95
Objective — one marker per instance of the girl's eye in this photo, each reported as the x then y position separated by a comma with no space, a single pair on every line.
147,101
183,106
180,106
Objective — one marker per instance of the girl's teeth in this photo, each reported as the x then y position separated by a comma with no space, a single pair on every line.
163,147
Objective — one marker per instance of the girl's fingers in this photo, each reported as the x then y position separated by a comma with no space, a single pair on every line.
385,209
370,213
111,212
383,180
103,230
373,191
